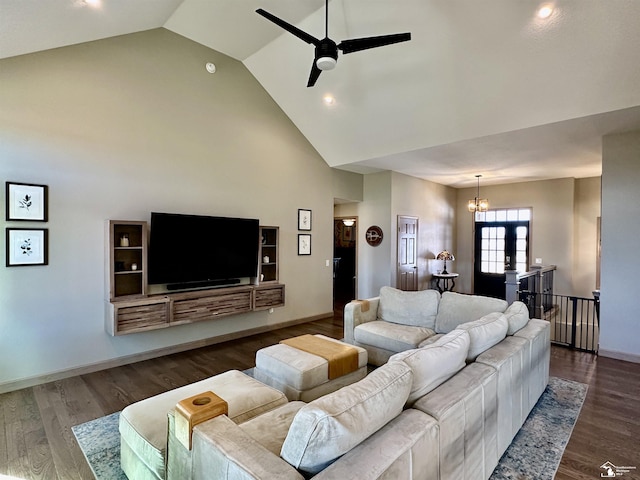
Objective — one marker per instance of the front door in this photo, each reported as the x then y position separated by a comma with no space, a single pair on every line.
501,243
407,253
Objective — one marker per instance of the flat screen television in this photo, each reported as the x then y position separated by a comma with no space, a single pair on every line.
194,250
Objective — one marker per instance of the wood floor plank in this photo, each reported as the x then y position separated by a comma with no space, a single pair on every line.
60,410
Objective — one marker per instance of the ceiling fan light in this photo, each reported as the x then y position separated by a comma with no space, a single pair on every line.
326,63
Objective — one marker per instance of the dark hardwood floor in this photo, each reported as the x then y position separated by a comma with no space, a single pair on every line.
36,441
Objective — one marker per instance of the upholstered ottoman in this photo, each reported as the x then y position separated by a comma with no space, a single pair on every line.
143,425
302,375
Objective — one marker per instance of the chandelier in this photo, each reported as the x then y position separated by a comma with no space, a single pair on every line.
478,204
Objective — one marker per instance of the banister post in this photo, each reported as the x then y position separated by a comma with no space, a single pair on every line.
512,286
537,287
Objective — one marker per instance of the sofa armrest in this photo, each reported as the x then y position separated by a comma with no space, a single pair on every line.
222,450
357,312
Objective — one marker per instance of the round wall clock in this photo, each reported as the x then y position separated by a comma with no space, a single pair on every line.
374,235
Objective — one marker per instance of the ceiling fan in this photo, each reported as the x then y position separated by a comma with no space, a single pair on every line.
326,55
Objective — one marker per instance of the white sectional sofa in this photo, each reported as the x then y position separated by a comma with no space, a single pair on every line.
459,376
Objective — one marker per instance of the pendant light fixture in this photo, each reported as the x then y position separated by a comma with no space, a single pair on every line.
478,204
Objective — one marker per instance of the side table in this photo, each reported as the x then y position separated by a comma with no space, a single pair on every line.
445,281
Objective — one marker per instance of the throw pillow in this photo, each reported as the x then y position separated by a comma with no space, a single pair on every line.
435,363
456,308
517,315
330,426
418,309
484,333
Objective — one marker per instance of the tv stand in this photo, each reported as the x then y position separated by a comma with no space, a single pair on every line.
131,309
203,284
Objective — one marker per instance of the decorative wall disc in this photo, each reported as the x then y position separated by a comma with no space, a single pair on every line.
374,235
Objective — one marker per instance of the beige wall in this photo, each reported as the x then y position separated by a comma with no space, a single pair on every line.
119,128
387,195
563,209
435,207
586,214
619,324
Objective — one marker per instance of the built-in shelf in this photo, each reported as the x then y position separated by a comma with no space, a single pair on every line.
269,260
127,258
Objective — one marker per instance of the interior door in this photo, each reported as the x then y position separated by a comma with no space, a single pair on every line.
499,246
407,253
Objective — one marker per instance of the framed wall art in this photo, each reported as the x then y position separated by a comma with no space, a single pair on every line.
304,219
27,246
26,202
304,244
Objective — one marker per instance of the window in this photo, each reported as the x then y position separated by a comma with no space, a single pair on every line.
504,238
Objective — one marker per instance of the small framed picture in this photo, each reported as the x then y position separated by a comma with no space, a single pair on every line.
304,219
27,246
26,202
304,244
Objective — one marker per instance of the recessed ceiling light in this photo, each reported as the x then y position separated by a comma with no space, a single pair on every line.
328,99
93,3
545,11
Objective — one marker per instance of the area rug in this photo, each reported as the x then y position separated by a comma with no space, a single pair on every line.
537,449
534,453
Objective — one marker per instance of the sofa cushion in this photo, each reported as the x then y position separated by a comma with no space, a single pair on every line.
330,426
456,308
435,363
409,308
390,336
517,315
271,428
484,333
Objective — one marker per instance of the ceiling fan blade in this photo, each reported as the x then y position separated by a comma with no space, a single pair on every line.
313,76
288,27
357,44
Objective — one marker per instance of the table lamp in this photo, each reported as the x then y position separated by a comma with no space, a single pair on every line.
445,255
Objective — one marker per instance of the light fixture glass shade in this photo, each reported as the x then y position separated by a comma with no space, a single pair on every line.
445,255
348,222
478,204
326,63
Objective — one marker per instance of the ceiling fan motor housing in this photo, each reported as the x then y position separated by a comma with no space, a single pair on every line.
326,54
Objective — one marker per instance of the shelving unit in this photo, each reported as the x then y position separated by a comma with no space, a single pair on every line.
269,248
127,243
130,309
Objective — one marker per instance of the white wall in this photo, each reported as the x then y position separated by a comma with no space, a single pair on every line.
619,321
121,127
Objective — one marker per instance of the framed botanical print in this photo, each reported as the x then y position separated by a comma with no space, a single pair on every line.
26,202
304,219
27,246
304,244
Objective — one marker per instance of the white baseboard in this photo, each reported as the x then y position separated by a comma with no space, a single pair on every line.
138,357
627,357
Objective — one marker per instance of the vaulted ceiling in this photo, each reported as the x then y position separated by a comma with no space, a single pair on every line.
482,88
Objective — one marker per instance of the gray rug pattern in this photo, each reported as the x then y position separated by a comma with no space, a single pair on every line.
535,452
537,448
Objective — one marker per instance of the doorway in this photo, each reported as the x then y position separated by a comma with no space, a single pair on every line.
501,243
407,253
345,234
